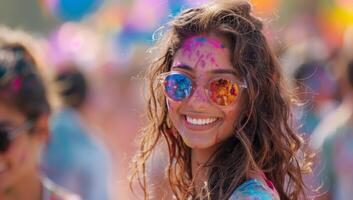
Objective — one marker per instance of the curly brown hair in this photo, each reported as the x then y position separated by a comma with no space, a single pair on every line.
263,138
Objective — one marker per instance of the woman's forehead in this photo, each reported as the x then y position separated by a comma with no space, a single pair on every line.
201,40
203,53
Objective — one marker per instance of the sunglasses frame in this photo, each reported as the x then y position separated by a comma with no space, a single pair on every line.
162,77
13,134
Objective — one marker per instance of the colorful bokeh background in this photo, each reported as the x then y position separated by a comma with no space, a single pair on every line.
109,40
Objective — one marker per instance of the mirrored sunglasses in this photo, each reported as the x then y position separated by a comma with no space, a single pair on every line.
222,91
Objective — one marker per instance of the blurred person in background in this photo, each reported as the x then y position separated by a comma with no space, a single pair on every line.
74,158
307,62
315,88
332,123
341,114
24,113
335,172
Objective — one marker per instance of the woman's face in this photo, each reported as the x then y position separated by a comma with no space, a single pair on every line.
21,157
201,122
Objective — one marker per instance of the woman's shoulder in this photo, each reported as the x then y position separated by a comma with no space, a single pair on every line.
51,191
254,189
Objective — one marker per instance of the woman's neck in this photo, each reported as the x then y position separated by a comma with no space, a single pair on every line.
29,187
199,157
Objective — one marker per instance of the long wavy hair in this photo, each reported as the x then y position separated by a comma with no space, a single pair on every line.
263,138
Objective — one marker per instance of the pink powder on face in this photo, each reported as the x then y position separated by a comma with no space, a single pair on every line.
195,42
202,39
215,43
213,61
201,62
16,84
188,48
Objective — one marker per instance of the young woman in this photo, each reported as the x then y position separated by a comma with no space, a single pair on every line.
217,98
24,111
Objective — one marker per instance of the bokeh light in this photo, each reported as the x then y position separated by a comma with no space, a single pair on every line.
70,10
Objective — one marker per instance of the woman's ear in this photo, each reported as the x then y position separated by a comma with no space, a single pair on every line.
41,128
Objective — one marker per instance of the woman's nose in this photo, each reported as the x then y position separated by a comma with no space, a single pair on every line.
199,96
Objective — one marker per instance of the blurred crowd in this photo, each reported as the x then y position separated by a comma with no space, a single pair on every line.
93,52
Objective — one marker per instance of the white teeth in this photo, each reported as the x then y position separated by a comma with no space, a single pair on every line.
200,121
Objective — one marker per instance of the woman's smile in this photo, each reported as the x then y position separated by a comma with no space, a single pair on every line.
199,123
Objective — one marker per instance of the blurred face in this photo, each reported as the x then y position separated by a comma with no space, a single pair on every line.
208,114
20,158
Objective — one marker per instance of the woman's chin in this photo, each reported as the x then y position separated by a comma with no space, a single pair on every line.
198,142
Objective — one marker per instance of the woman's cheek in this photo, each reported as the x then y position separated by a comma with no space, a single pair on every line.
173,108
171,105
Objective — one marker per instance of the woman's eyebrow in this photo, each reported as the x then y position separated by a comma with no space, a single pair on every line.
184,67
223,71
214,71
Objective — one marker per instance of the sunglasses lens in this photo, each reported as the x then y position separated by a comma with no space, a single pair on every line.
223,92
177,86
4,140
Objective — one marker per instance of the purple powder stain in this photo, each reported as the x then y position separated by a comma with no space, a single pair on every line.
213,61
16,84
213,42
200,61
191,44
198,52
196,41
188,48
210,59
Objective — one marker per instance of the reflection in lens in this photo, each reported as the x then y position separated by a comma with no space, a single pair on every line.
178,86
223,92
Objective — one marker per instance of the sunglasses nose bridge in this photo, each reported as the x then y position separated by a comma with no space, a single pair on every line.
199,94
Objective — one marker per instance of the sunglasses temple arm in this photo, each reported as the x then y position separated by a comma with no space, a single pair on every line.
243,85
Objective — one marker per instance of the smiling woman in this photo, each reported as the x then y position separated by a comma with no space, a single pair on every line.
205,115
218,101
24,111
